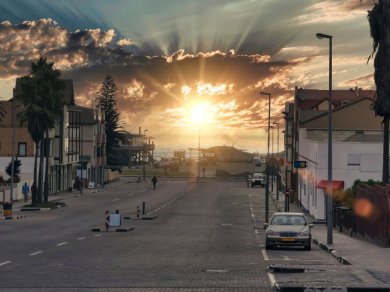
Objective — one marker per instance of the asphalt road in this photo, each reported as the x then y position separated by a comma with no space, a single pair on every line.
208,236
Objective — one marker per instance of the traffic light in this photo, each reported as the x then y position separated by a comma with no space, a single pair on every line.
300,164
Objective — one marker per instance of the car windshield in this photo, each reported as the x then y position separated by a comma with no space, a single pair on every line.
288,220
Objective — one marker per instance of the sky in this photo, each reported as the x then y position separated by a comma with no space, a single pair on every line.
191,71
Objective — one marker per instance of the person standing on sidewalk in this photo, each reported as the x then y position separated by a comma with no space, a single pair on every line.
25,191
154,181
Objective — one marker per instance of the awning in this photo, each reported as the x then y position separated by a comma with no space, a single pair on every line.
336,184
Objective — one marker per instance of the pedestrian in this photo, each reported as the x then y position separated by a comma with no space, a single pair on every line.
154,181
25,191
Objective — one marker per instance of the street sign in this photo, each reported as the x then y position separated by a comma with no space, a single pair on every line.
300,164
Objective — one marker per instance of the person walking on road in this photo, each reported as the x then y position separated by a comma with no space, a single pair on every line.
25,191
154,181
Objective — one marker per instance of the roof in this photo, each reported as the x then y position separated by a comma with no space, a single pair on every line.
310,115
321,135
311,98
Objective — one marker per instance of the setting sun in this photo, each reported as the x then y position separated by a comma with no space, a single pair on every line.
201,114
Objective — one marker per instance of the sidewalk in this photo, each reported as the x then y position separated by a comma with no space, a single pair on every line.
346,249
17,206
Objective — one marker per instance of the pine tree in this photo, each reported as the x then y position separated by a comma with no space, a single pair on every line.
107,102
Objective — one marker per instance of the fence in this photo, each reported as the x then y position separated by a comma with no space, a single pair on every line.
370,217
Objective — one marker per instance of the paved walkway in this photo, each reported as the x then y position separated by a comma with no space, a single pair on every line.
348,250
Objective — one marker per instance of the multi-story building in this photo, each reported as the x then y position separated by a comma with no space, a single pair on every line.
76,144
309,103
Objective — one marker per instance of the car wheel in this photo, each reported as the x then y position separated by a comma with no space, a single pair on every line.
268,247
308,246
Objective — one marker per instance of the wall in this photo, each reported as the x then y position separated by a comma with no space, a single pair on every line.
316,155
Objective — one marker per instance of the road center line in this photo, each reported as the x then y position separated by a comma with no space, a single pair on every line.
62,243
81,238
35,253
97,235
115,200
265,256
4,263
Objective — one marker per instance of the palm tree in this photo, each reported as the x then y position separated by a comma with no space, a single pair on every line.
378,30
42,100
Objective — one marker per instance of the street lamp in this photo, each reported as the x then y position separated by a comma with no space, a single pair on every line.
143,164
197,179
329,201
277,164
13,151
267,167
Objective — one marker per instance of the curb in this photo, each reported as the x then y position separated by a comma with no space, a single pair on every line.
332,252
103,229
12,217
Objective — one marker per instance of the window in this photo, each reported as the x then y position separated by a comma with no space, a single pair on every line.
22,149
353,159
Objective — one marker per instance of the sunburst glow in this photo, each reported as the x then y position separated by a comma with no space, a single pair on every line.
201,114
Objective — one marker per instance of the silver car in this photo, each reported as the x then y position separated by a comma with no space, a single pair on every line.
288,229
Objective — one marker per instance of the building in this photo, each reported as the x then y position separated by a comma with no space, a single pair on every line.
76,142
357,152
135,149
309,103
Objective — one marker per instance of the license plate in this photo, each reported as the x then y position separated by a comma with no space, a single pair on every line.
287,239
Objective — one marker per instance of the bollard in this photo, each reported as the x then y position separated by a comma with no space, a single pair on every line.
107,220
143,208
138,211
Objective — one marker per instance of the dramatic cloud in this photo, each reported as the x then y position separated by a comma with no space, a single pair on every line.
203,70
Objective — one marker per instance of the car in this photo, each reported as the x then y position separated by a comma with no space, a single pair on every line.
287,229
256,179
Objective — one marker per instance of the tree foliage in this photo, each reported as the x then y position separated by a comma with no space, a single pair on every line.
107,102
41,97
379,26
17,165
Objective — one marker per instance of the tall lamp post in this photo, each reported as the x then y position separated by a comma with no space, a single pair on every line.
143,162
267,166
329,210
198,177
277,164
13,152
272,159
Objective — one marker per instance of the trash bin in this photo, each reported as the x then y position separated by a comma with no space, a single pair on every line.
7,209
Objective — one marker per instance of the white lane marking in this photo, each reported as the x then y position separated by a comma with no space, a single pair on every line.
4,263
35,253
265,256
97,235
115,200
253,215
286,258
62,243
272,279
81,238
256,231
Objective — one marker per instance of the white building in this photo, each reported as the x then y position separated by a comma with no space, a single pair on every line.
357,152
